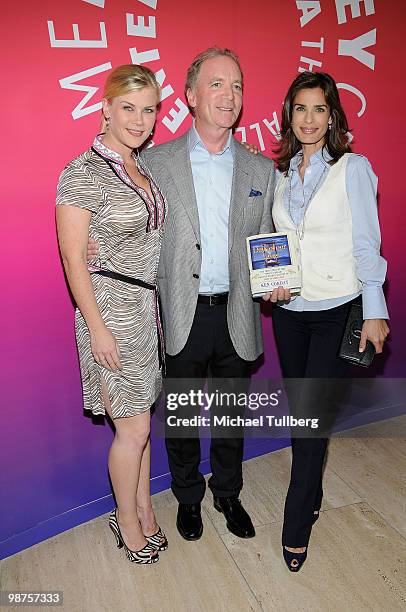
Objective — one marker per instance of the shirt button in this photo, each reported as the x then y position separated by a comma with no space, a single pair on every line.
211,261
195,276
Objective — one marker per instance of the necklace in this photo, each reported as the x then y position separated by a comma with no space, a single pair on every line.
301,226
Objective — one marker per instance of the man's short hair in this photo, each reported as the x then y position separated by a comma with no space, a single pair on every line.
194,68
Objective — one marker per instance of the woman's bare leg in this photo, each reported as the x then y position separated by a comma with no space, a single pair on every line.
125,456
144,505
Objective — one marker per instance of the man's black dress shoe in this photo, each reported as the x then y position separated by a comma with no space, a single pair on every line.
238,519
189,521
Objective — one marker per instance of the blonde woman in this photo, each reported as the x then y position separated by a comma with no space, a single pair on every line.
107,193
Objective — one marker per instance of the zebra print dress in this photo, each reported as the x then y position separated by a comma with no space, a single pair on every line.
128,227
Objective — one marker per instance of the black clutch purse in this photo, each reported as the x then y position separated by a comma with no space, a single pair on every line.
352,335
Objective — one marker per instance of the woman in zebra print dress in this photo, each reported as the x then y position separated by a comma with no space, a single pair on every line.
108,194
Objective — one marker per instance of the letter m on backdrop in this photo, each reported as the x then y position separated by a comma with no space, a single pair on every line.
70,82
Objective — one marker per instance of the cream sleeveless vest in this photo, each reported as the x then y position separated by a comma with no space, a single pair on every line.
326,250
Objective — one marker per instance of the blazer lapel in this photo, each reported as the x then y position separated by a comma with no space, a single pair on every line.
242,181
181,171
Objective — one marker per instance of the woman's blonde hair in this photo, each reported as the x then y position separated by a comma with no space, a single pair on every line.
125,79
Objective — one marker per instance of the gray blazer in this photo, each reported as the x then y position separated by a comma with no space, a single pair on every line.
180,261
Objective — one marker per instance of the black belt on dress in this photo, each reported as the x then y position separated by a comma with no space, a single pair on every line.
216,299
125,279
140,283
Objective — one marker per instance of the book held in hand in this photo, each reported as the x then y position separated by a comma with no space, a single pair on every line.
273,261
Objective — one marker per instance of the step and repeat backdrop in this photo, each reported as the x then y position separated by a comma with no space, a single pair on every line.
56,56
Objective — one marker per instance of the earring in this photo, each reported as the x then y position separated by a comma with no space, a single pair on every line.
107,119
329,125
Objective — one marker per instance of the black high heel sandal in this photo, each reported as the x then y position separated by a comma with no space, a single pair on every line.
143,556
291,557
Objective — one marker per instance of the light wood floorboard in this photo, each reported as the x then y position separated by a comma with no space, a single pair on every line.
356,556
356,562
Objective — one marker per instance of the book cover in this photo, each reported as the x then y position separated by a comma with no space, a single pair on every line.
273,260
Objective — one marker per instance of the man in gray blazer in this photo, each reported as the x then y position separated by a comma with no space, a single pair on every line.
218,194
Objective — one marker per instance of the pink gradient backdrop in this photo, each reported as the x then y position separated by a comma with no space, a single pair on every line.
46,441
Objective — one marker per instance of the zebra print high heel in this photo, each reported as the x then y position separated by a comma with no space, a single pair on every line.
158,540
143,556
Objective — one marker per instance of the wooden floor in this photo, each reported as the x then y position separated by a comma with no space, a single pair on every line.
356,556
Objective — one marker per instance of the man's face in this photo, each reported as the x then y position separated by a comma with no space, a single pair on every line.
217,96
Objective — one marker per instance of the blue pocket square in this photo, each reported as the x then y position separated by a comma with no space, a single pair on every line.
254,193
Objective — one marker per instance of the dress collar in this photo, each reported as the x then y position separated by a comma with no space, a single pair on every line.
106,152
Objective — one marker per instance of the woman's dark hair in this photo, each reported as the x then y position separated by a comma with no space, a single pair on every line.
336,141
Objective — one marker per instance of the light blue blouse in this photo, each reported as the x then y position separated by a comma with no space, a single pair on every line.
361,184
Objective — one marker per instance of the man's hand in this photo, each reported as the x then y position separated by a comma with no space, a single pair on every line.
376,331
280,294
92,250
251,148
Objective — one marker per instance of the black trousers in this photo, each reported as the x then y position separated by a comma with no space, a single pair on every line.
308,344
209,349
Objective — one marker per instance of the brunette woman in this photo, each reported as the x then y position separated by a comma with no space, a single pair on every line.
327,195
